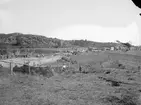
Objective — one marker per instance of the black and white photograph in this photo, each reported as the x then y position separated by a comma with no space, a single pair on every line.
70,52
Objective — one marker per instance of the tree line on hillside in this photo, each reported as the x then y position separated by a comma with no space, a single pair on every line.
38,41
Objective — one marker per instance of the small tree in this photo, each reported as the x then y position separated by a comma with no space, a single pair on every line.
90,49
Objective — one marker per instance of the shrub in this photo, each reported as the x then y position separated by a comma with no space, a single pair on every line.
69,70
90,68
23,69
113,64
58,70
113,100
1,66
44,71
127,97
66,71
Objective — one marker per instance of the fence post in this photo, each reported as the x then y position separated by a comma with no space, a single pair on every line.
29,67
11,68
101,64
79,68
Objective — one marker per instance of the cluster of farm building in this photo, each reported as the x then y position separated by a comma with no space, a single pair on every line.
30,52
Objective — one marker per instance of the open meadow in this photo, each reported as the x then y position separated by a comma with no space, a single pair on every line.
105,78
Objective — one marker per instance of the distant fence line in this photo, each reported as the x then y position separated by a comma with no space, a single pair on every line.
31,63
12,64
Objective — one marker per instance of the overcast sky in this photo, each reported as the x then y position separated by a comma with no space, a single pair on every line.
97,20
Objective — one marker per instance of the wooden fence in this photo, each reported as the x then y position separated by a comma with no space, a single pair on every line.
12,64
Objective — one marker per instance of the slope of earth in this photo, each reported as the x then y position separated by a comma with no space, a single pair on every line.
124,56
134,53
87,57
111,86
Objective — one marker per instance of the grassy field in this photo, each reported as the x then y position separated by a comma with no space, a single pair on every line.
110,86
87,57
45,50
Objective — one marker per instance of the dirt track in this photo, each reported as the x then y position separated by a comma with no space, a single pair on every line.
33,61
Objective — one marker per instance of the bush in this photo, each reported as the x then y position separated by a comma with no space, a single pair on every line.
127,97
90,68
113,100
113,64
67,59
23,69
58,70
44,71
69,70
66,71
1,66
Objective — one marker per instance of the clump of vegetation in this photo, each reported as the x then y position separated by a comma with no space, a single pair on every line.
90,68
67,70
86,69
113,64
25,69
45,71
127,97
1,66
67,59
58,70
113,82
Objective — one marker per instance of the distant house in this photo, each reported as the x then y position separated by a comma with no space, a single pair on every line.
112,48
106,48
95,49
82,49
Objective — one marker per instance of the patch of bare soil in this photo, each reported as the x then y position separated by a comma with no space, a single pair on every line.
33,61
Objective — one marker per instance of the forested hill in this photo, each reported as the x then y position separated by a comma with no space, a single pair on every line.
39,41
